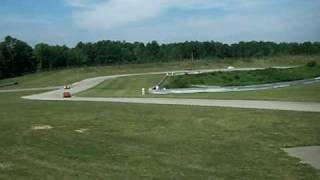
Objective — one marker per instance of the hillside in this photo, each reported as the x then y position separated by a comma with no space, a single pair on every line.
67,76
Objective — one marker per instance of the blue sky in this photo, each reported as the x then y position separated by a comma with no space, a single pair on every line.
71,21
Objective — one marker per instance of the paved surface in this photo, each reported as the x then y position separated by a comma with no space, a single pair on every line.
309,154
56,95
269,105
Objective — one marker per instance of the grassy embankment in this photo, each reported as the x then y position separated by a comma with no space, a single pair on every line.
242,78
126,141
67,76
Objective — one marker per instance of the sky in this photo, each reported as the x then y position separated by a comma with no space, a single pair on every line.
229,21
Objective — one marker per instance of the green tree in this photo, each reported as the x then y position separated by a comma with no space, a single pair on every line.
42,55
152,51
17,57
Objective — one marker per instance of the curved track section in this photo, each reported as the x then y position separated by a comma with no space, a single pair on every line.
56,95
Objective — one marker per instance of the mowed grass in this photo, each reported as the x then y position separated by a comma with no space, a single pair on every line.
242,78
68,76
127,141
131,87
124,86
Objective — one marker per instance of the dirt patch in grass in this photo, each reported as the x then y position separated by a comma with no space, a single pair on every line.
42,127
5,165
83,130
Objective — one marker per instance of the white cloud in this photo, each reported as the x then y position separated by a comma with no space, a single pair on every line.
294,24
107,14
113,13
18,19
146,20
78,3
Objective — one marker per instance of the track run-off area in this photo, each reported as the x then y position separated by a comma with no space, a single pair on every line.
57,95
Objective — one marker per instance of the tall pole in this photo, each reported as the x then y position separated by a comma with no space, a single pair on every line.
192,56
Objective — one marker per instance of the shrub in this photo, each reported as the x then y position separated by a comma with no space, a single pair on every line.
312,64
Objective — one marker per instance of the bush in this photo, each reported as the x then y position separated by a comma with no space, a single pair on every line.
237,77
312,64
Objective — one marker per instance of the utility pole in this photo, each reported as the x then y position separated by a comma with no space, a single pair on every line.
192,58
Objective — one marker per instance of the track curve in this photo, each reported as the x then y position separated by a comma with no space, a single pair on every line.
56,95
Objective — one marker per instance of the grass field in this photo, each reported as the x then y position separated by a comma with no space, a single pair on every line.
150,141
242,78
123,87
137,141
131,87
67,76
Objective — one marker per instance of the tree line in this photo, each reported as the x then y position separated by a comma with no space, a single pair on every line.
18,58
